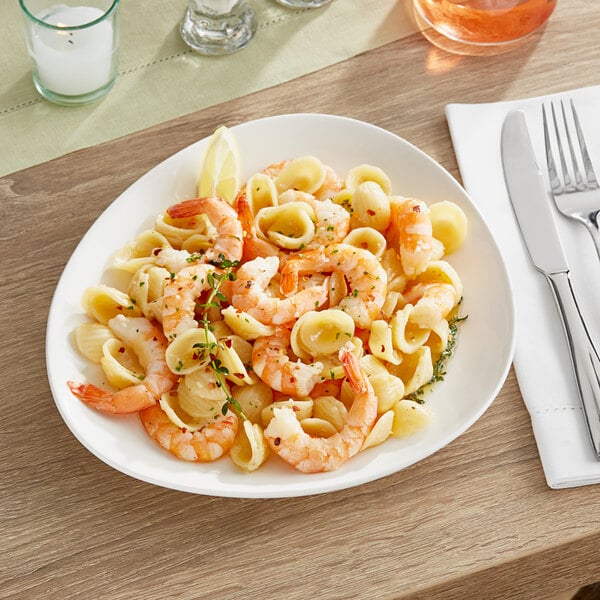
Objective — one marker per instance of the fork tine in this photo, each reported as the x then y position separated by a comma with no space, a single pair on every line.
568,187
552,174
587,162
578,178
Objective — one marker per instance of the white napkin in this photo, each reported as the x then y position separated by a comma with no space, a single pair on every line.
541,361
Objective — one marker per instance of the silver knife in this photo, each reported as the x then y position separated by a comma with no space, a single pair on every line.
531,204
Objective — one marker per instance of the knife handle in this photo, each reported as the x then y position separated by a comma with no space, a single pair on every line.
584,356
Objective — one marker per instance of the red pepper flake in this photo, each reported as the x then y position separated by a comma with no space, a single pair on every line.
382,348
248,284
228,343
239,375
277,441
416,208
371,212
121,350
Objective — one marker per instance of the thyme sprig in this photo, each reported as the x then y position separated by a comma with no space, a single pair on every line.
439,365
209,349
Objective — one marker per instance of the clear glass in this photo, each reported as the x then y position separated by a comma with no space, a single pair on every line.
73,48
485,22
218,26
303,3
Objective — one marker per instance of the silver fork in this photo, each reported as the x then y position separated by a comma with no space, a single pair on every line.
575,197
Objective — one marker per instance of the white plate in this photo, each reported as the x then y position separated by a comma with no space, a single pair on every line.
474,374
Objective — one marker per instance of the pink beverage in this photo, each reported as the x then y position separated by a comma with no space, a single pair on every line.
485,22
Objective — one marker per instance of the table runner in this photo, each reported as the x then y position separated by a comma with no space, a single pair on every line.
160,78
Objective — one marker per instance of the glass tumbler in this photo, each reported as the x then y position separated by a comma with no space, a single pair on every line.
303,3
73,47
485,22
218,26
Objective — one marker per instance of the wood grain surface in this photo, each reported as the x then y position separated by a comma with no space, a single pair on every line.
475,520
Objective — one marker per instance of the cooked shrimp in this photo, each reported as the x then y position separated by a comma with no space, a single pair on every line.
179,300
248,293
330,186
286,437
432,302
175,260
203,445
229,242
148,342
410,232
367,279
272,364
332,220
253,245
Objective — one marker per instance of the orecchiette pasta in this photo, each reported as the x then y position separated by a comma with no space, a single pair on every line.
261,192
103,302
289,226
301,329
370,207
321,333
305,174
362,173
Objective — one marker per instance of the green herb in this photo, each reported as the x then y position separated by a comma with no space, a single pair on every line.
440,364
209,349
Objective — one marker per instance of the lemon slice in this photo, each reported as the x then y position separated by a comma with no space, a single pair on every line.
220,172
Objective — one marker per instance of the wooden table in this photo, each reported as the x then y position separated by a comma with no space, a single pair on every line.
475,520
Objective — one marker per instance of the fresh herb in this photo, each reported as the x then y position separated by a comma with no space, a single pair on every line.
208,348
440,364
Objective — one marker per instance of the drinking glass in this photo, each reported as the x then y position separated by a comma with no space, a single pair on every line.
73,47
485,22
218,26
303,3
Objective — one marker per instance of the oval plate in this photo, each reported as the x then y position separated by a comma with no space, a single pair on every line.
475,373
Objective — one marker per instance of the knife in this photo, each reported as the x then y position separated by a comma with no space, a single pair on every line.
531,204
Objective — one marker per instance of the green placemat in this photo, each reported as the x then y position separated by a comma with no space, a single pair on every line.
160,78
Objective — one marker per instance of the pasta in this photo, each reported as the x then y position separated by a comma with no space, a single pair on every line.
307,330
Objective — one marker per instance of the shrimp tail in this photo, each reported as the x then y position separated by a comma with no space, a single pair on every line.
186,209
130,400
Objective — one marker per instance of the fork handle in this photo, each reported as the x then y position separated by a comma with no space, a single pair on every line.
584,356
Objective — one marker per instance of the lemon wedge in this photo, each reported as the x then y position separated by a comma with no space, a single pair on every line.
220,173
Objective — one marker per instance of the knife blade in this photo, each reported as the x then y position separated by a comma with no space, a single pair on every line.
532,207
529,197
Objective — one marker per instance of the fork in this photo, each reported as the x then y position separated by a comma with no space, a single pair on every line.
577,199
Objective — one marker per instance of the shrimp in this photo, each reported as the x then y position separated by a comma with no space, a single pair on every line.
148,342
229,241
204,445
179,299
331,185
272,364
253,245
248,293
285,435
366,278
332,220
432,302
410,232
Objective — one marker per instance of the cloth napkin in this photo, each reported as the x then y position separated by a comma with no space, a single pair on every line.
541,360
